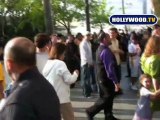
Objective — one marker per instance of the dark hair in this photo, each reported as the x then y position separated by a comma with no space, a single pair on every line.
134,36
41,40
114,29
156,26
101,36
57,50
79,36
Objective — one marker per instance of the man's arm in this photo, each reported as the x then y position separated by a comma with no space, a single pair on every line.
1,89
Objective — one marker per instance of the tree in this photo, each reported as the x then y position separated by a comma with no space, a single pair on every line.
156,8
65,11
87,12
100,14
48,16
21,17
26,17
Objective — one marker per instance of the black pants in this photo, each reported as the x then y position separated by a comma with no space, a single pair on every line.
105,101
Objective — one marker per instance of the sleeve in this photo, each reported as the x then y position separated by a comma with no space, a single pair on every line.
155,69
145,92
142,60
1,73
66,75
83,51
17,112
109,65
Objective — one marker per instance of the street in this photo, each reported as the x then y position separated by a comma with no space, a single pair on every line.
124,105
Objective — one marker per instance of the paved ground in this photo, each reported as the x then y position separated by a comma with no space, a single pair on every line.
124,105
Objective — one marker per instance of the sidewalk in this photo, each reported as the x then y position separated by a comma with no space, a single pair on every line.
124,105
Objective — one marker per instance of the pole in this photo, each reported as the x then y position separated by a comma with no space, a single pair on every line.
123,12
144,6
87,16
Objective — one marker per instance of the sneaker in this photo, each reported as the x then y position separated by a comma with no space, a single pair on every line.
87,96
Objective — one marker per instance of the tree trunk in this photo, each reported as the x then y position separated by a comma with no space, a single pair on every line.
156,8
87,16
68,28
48,16
101,26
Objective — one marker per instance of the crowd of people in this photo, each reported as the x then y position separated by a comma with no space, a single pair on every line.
42,73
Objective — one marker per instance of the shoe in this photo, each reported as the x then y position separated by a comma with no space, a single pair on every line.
87,96
72,85
127,76
89,117
112,118
133,87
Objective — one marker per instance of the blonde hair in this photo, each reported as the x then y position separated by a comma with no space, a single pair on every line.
152,46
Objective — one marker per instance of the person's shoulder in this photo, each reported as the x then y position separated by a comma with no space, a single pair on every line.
153,59
81,43
144,91
58,62
106,51
42,55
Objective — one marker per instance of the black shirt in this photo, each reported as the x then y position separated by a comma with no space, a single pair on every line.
32,98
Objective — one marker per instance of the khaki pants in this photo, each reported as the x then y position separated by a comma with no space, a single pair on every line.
67,111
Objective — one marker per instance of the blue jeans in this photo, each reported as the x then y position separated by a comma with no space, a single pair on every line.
85,80
93,79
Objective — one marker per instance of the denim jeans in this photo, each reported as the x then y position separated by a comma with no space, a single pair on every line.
86,80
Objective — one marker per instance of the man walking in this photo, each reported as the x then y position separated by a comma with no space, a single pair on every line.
107,79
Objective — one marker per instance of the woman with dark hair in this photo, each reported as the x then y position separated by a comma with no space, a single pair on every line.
57,73
72,59
134,52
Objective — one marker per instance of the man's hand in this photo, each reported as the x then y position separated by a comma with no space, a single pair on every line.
117,87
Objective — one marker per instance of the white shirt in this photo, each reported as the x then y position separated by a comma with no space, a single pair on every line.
132,48
115,46
57,73
41,59
144,92
85,52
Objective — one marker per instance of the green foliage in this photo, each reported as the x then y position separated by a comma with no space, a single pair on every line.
21,17
65,11
99,14
26,17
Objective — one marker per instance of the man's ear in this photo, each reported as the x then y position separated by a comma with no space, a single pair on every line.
10,64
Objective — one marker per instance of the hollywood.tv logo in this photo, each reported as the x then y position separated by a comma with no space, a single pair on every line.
133,19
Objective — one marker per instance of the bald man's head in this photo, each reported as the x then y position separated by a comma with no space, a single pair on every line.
21,50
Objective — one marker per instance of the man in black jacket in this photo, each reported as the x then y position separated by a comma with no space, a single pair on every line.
32,97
